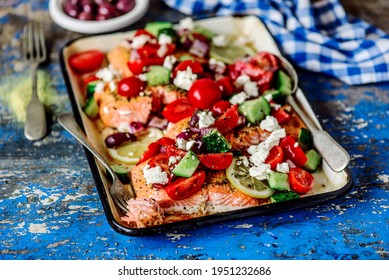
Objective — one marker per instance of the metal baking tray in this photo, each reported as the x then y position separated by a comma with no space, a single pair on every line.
329,184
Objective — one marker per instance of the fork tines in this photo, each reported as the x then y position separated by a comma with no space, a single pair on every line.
34,48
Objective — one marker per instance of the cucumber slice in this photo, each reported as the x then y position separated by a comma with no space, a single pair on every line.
158,75
283,196
187,165
279,181
255,110
305,139
284,84
313,160
123,173
90,88
155,26
91,108
216,143
169,32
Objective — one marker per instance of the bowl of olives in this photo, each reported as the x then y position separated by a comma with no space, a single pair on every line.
96,16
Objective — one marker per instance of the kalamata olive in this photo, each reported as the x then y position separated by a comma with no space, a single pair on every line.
124,6
85,16
88,6
107,10
71,9
118,138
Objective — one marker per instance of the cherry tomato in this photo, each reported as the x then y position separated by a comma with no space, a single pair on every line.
86,62
301,181
137,66
226,86
155,147
282,116
228,121
264,82
292,151
220,107
276,156
204,93
185,187
178,110
196,67
144,32
130,86
148,51
218,161
266,60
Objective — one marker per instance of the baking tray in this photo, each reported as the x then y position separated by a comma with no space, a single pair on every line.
328,184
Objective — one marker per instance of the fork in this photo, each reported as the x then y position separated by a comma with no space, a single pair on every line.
34,51
119,192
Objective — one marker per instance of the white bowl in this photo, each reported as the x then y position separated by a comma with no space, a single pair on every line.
95,27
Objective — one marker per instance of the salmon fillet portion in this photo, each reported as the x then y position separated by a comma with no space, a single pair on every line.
246,136
118,58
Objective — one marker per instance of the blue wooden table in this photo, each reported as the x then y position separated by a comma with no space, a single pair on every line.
49,207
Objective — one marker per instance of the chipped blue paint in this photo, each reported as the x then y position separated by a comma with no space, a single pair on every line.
49,208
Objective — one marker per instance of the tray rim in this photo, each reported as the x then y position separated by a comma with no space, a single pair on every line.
196,222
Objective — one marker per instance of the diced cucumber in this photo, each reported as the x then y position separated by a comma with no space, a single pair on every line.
169,32
123,173
91,108
314,160
284,83
186,57
187,165
90,88
276,94
279,181
305,139
158,75
255,110
283,196
216,143
155,26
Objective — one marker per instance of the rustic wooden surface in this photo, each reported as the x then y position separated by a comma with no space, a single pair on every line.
49,208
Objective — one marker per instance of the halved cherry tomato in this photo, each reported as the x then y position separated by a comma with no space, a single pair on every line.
228,121
137,66
185,187
226,86
301,181
130,86
282,116
218,161
86,62
154,148
148,51
178,110
264,81
196,67
292,151
266,60
276,156
220,107
204,93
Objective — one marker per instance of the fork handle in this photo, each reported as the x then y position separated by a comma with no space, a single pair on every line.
35,127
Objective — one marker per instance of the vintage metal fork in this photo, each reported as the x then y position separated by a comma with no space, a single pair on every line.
34,51
119,192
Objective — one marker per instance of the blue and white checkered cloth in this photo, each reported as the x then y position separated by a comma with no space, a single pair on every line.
318,36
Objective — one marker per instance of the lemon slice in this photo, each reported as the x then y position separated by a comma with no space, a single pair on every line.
132,151
238,175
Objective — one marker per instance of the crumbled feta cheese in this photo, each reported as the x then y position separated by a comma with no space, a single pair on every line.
186,23
217,66
162,50
243,160
283,167
112,85
174,160
155,175
270,124
258,153
139,41
238,98
185,79
105,74
189,144
260,172
268,97
251,89
181,143
241,80
205,119
100,87
164,39
274,138
169,61
220,40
